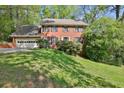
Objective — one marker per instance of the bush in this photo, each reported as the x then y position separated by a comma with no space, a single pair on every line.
104,41
43,43
69,47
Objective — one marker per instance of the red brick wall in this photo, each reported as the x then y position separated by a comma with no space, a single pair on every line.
7,45
60,34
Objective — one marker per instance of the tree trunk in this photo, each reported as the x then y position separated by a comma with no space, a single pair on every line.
17,17
27,15
10,7
117,9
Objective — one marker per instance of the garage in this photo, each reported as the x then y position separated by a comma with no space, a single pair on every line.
26,43
26,36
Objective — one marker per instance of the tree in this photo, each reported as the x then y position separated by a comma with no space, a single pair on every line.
13,16
117,9
64,11
91,13
56,11
122,17
46,12
104,41
6,23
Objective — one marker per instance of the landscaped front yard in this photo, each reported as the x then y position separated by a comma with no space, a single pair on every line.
52,68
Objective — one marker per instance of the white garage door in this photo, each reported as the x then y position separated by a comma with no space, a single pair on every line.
27,43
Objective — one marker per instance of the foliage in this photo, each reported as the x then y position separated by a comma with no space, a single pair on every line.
59,12
14,16
91,13
118,11
104,41
69,47
53,68
43,43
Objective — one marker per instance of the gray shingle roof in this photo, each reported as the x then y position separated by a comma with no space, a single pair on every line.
63,22
26,30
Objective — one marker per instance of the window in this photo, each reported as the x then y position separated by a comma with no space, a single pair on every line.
32,41
46,29
27,41
65,29
78,29
65,38
21,41
54,29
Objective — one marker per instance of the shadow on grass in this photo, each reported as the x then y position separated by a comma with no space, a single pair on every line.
71,73
46,68
12,77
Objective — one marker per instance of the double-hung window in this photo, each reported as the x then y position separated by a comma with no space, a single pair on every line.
54,29
77,29
65,29
46,29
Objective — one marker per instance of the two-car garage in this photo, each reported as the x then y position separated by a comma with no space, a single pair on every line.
26,43
26,36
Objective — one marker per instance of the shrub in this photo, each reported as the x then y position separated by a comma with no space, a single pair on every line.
104,41
43,43
69,47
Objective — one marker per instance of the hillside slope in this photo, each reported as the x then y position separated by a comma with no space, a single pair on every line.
52,68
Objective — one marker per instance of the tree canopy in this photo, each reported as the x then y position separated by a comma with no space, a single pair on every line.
13,16
58,11
104,41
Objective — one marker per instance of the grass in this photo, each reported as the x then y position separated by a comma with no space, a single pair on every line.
52,68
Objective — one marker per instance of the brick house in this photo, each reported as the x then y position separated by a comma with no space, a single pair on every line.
52,29
62,29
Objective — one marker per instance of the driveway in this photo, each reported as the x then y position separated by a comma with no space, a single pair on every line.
11,50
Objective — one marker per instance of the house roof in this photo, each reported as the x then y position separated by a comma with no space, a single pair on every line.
63,22
26,36
26,30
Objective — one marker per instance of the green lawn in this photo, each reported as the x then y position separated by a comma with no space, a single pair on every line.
51,68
